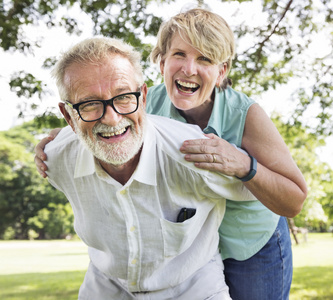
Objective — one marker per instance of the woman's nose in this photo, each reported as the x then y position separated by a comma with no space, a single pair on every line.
189,67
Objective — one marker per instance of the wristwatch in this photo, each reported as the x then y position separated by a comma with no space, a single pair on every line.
253,170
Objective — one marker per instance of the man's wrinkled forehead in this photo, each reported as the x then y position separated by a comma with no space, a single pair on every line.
113,72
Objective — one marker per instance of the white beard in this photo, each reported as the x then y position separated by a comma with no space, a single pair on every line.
116,153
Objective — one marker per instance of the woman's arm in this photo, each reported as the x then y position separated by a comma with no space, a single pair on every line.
40,156
278,183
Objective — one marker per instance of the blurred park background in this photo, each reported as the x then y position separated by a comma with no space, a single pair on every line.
284,62
54,269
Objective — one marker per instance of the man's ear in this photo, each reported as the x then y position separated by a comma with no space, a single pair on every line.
66,115
144,91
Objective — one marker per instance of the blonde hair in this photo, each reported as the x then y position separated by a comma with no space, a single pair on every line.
207,32
94,51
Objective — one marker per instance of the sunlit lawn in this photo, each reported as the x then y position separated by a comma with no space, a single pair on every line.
39,270
313,268
54,270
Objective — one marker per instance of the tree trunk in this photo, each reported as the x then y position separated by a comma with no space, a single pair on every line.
293,229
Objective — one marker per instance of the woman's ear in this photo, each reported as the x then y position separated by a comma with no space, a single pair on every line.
162,67
222,72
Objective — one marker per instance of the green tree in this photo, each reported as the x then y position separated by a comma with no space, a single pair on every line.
125,19
54,222
22,191
317,211
275,51
269,55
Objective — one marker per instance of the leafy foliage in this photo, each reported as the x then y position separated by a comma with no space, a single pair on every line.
270,54
317,211
54,221
23,193
276,48
125,19
278,54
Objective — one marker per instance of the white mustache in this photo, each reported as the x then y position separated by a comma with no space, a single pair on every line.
102,128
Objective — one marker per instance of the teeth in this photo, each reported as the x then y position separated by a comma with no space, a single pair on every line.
187,84
109,134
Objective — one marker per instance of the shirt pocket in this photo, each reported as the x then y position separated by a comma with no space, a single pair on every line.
178,237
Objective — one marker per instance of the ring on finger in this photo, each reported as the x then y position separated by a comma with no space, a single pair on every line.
214,158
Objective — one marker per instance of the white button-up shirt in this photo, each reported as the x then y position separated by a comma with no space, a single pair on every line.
131,230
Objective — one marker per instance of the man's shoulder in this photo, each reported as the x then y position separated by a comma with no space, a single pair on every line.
175,130
65,145
65,136
61,157
170,135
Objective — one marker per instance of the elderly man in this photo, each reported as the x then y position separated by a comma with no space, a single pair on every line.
150,219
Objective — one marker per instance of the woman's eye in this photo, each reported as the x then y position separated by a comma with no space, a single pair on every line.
179,54
203,58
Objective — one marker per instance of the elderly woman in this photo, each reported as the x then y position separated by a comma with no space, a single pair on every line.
195,51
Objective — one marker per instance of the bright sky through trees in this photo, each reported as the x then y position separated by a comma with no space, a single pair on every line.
56,40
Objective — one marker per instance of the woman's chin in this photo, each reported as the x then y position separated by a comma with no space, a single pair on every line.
184,103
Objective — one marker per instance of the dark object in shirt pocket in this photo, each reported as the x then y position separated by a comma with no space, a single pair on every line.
185,214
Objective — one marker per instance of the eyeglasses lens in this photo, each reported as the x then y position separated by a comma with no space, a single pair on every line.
122,104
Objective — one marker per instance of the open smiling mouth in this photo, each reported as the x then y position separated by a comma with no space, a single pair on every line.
187,87
107,135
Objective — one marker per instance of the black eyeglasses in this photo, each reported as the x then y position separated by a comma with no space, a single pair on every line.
93,110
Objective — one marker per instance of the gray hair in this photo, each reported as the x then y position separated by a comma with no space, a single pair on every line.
93,51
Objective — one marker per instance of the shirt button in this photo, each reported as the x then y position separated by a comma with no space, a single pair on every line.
132,228
133,261
133,283
122,192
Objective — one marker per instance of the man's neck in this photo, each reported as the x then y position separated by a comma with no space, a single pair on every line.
122,173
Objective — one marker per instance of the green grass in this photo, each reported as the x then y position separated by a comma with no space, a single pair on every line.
40,270
313,268
54,270
38,286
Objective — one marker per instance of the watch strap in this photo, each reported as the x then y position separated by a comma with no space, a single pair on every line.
253,170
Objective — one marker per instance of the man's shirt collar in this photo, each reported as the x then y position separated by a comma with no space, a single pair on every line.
145,172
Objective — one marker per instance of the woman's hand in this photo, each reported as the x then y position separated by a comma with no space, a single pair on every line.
40,156
216,154
278,183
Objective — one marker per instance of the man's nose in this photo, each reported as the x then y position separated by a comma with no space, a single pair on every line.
111,117
189,67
